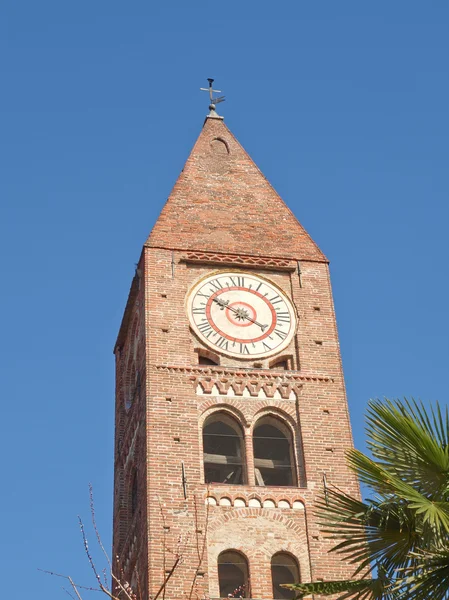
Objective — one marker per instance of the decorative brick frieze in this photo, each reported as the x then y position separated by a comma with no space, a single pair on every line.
255,512
246,388
286,376
243,501
235,260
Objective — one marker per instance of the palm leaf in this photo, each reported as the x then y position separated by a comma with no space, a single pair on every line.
410,443
429,579
367,532
386,483
403,531
358,589
351,588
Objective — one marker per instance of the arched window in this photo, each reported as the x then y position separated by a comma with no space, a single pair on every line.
284,569
134,491
233,575
223,450
273,453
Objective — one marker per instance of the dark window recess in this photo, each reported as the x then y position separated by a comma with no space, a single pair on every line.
233,575
134,494
203,360
284,569
222,447
282,365
273,457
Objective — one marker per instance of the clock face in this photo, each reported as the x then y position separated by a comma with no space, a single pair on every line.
241,315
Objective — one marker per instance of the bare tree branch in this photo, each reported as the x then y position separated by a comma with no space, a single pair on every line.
86,549
69,594
78,595
161,589
94,523
200,550
78,585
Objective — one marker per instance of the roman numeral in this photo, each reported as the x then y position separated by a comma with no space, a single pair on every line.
266,346
216,285
280,333
258,287
199,310
244,349
238,281
222,343
205,329
275,299
203,295
283,316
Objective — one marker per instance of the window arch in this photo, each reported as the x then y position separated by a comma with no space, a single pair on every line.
223,450
284,569
233,575
273,453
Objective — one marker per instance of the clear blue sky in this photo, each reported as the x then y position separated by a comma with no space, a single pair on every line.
343,105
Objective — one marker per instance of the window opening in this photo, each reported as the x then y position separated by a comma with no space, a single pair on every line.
282,365
233,575
273,456
222,447
284,569
203,360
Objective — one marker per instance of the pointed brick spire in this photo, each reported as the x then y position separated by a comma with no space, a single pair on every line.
221,202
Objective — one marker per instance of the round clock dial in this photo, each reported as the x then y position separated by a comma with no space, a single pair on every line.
241,315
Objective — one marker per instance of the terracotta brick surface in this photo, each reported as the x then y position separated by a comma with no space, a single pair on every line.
163,396
219,204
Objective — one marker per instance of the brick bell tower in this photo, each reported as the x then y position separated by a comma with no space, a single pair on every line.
230,402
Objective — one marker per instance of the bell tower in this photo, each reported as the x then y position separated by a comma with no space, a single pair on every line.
230,400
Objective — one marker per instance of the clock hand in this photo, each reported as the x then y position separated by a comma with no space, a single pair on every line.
223,304
240,312
263,327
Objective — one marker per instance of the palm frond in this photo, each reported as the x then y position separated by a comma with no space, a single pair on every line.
386,483
410,443
367,532
429,578
402,533
379,588
350,588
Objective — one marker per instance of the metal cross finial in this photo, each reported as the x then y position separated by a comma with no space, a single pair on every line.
213,101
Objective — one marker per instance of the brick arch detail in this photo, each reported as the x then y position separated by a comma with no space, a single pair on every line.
241,513
234,407
284,414
261,496
288,418
291,538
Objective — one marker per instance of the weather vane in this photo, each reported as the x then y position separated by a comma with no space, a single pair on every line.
213,101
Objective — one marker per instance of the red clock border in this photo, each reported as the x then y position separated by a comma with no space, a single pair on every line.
234,339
